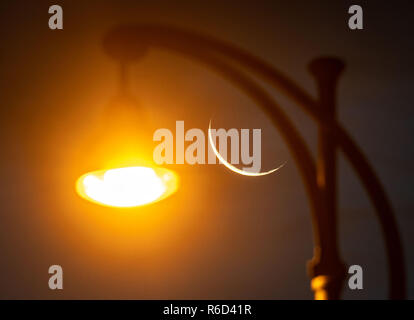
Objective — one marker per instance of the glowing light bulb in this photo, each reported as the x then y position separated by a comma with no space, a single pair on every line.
127,187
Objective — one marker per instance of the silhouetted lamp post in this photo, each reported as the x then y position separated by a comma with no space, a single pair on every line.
128,43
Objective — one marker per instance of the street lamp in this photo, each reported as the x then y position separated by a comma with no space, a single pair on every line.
130,179
128,43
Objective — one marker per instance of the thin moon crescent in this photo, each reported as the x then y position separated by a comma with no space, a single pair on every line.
233,168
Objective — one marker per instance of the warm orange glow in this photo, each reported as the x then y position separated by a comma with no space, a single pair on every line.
127,187
318,285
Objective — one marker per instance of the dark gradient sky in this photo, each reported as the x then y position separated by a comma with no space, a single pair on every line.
221,235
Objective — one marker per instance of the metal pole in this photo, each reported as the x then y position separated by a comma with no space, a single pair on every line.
327,269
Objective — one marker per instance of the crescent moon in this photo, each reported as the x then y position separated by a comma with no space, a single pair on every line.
233,168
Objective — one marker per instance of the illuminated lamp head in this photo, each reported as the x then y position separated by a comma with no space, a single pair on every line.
120,151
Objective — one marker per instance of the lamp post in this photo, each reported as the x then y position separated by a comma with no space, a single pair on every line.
328,276
128,43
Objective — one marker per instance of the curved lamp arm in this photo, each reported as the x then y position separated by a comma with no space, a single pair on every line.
127,43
